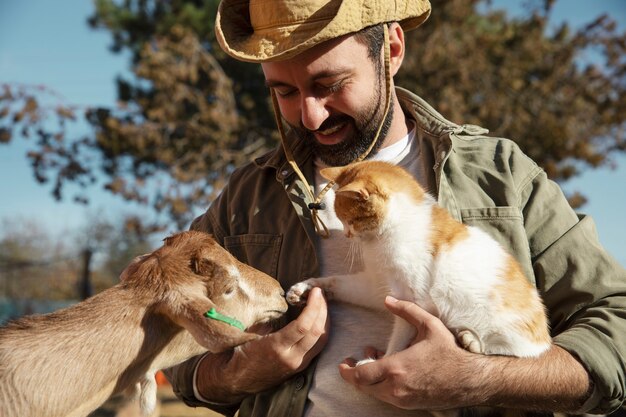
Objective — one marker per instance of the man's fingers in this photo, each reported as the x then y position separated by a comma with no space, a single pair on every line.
351,362
373,353
425,323
362,375
411,312
295,345
304,332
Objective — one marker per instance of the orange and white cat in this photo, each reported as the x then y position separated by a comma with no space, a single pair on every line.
414,250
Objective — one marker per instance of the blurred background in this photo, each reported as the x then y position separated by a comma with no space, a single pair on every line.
121,120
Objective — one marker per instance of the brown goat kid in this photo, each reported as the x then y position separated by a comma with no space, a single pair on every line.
69,362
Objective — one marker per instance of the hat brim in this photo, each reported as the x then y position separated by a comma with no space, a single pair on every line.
337,18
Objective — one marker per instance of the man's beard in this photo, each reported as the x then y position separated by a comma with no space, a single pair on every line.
363,130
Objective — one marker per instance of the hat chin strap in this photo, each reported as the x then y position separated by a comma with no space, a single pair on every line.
320,228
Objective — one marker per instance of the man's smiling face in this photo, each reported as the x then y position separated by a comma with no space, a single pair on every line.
332,96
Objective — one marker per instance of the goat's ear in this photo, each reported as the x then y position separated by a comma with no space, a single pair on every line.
214,335
132,268
203,266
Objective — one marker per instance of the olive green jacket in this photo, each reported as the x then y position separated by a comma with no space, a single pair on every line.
261,217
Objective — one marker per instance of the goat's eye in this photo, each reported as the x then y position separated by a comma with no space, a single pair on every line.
229,291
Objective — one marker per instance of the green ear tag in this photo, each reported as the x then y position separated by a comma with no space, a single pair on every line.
214,315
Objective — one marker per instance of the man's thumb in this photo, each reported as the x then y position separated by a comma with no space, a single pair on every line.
410,312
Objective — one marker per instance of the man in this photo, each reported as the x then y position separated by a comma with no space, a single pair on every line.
329,66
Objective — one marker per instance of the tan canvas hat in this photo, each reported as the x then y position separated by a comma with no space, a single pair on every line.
272,30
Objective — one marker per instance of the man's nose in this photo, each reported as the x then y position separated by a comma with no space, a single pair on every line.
313,112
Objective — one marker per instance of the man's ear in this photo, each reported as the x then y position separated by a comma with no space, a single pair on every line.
396,47
354,190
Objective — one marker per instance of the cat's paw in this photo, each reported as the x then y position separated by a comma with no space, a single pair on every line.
298,293
470,341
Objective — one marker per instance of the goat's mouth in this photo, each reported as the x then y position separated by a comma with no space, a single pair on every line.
269,323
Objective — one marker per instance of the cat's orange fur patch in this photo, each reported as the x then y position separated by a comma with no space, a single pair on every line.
363,190
446,231
517,294
380,180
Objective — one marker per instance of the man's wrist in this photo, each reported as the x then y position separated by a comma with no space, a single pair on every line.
212,382
476,376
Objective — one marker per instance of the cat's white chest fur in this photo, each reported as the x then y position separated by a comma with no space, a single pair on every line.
400,257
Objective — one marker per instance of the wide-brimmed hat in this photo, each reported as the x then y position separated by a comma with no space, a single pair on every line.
273,30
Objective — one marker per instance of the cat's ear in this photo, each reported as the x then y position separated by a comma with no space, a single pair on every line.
354,190
332,173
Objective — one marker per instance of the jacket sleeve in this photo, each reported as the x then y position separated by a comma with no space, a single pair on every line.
583,287
182,379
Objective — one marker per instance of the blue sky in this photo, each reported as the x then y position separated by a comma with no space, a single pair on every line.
50,43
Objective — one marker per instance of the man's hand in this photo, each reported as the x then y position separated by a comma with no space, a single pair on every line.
263,363
434,373
419,377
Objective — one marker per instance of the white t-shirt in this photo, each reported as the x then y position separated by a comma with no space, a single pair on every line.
352,328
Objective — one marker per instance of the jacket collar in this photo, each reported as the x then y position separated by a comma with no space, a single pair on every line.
277,160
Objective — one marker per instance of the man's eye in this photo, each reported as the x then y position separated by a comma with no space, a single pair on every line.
283,92
331,87
335,87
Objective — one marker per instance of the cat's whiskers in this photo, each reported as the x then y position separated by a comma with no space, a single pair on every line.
354,255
